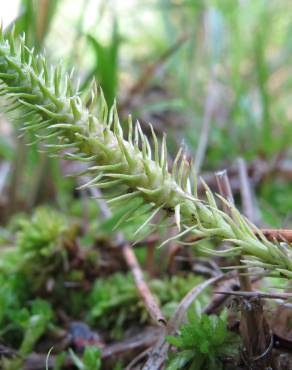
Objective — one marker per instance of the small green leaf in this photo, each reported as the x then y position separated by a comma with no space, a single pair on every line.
180,360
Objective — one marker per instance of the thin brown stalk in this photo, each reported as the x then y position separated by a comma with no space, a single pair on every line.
42,20
134,266
257,294
254,328
278,234
219,300
247,197
144,291
144,339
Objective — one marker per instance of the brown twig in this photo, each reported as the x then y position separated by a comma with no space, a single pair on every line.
133,264
254,328
256,294
278,234
144,291
258,170
121,350
143,340
219,300
224,187
247,196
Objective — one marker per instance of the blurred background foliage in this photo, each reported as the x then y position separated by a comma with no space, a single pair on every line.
215,75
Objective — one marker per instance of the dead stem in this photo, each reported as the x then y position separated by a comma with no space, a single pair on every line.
257,294
247,196
254,328
133,264
144,291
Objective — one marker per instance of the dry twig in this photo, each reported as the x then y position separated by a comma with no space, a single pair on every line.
133,264
255,332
